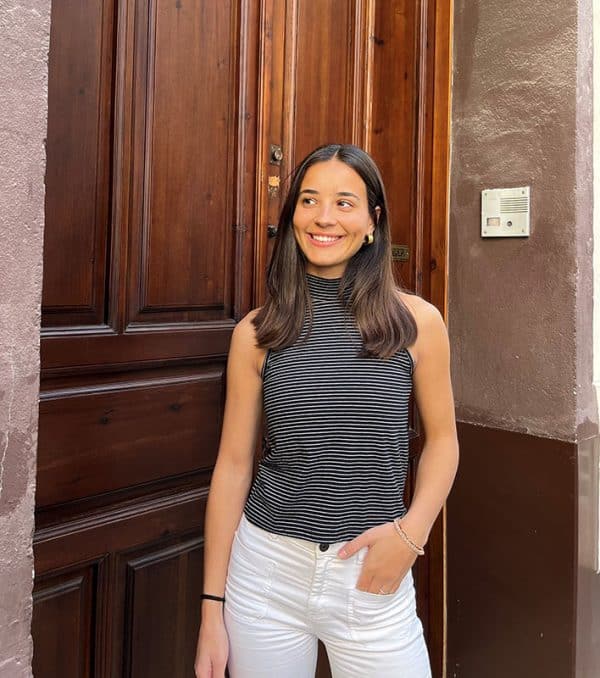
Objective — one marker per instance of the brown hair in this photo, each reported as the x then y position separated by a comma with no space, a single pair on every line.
367,288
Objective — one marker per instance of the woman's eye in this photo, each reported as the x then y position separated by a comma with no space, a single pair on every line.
308,201
345,203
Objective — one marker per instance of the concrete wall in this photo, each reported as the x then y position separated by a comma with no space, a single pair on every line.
24,36
512,301
520,322
588,584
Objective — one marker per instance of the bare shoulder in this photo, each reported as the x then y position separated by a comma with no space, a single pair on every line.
243,340
431,328
244,333
423,311
246,323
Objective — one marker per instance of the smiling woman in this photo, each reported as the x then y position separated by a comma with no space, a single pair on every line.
332,215
320,545
336,195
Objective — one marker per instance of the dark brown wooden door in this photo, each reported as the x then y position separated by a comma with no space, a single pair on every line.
148,265
160,187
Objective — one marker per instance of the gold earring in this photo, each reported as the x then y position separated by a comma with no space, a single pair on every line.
369,239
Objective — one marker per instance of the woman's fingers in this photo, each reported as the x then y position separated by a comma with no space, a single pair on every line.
210,670
212,652
372,583
386,588
218,670
354,545
364,581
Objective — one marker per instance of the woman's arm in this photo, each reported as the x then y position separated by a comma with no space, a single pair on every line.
433,394
232,474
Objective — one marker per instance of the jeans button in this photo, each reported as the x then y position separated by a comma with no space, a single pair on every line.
323,547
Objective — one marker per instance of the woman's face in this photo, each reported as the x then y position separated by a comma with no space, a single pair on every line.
332,217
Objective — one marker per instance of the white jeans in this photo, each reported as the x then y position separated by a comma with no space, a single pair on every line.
282,594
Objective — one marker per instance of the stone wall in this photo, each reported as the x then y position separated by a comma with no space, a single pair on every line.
24,38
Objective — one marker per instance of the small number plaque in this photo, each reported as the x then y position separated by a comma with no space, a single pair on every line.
400,252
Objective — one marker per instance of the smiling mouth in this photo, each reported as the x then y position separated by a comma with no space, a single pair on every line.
324,239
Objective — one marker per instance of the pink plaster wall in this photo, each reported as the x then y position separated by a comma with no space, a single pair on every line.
24,36
520,310
513,303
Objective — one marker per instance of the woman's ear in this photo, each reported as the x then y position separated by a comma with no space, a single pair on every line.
377,214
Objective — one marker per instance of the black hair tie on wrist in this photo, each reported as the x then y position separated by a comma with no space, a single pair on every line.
209,597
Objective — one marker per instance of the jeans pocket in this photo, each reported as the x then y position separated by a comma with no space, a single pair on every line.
376,611
249,582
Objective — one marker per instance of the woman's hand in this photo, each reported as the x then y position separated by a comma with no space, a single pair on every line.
213,649
387,562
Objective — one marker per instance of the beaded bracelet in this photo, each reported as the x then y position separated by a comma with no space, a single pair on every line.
411,544
209,597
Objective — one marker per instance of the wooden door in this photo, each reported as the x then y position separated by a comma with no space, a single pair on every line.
148,265
160,187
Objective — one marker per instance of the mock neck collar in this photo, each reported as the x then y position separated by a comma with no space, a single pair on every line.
323,288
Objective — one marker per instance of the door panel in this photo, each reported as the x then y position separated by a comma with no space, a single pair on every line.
162,589
321,94
161,185
63,606
100,555
394,133
185,94
90,443
77,226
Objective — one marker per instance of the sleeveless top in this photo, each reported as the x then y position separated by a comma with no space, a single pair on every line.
336,444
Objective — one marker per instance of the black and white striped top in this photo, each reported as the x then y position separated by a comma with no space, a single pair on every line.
336,442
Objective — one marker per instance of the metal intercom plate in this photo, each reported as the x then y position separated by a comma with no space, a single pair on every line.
505,212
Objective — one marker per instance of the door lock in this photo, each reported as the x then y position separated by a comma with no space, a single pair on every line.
275,154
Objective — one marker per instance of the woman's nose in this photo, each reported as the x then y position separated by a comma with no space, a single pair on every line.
325,216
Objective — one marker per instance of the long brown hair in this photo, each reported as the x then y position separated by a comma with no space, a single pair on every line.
367,288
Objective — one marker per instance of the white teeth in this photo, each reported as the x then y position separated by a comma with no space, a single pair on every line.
324,238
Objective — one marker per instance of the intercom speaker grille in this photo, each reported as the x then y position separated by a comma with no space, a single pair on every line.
518,204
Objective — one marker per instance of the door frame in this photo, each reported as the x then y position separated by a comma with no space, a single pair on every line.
431,281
